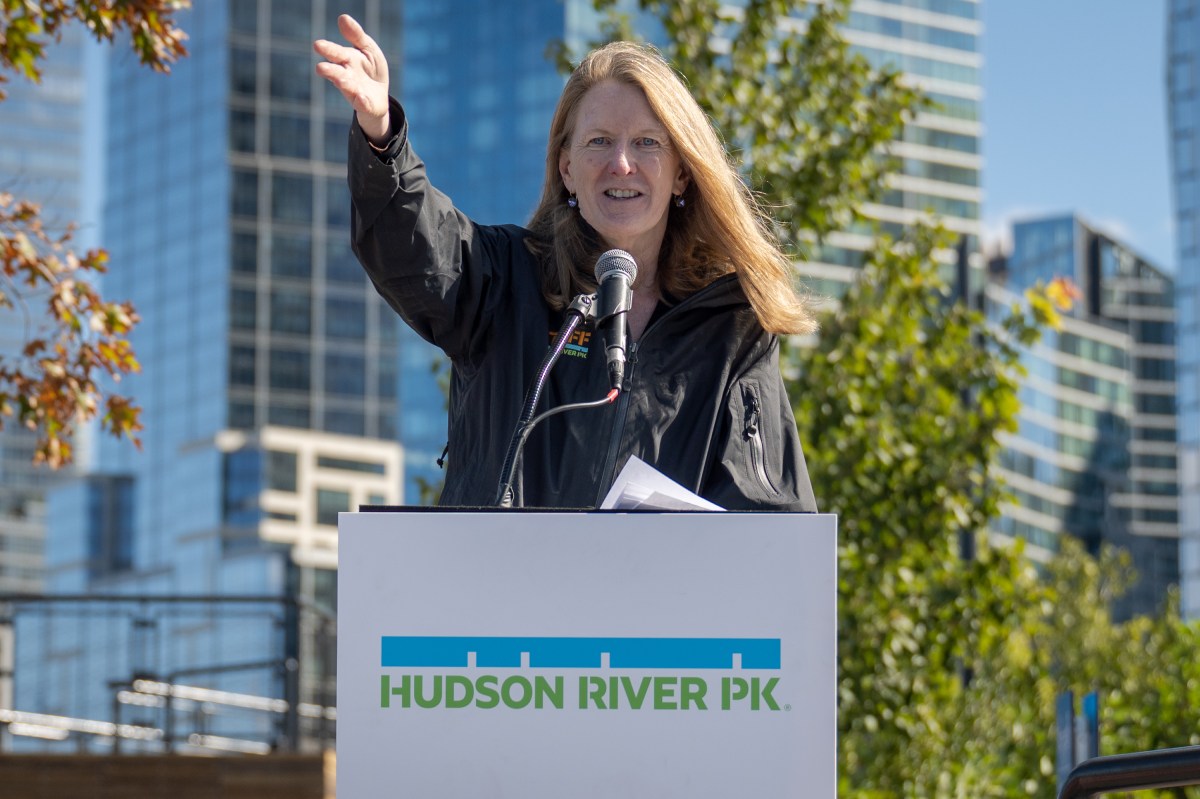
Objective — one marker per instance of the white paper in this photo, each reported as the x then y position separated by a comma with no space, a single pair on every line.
640,486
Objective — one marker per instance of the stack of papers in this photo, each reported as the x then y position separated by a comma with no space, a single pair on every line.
640,486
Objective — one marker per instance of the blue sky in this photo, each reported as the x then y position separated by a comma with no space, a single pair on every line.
1075,117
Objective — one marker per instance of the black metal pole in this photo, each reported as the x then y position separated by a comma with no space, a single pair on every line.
1136,771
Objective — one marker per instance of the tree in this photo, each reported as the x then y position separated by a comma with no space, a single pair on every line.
51,384
948,667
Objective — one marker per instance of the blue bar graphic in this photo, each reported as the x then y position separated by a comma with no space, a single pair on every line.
579,653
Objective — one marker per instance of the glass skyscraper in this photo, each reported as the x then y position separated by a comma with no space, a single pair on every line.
1183,100
936,44
269,393
42,160
1094,455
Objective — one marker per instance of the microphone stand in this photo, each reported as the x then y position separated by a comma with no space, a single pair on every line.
582,309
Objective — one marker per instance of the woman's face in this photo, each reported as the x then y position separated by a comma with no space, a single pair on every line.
621,167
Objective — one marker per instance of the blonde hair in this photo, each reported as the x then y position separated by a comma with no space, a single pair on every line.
719,230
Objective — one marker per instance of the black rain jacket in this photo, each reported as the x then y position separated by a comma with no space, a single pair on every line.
704,401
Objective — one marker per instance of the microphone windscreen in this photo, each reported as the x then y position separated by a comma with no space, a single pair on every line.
615,261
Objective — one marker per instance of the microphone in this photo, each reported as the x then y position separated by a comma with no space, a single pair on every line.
615,272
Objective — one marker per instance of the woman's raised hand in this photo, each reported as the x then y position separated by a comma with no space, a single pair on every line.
360,72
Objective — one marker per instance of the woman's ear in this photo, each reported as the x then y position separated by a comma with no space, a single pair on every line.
564,169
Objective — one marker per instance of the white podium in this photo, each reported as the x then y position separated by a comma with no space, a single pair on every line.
581,655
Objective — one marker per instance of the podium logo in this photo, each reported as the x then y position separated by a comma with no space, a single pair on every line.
656,691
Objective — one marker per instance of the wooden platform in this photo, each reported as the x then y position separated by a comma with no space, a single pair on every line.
166,777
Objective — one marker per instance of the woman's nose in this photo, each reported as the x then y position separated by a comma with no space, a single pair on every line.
620,163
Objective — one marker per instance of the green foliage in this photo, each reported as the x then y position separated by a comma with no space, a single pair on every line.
51,386
949,667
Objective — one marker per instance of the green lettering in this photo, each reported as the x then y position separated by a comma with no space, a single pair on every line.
692,690
485,689
506,691
765,693
636,698
468,691
664,693
385,691
591,689
404,691
733,689
543,691
432,701
614,698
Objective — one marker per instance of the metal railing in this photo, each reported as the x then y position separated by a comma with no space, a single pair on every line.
1136,771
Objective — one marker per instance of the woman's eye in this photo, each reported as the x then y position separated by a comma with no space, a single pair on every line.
598,141
646,141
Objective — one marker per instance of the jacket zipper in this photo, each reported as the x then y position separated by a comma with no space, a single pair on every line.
758,458
614,442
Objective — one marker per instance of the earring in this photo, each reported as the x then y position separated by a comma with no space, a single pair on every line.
679,201
572,202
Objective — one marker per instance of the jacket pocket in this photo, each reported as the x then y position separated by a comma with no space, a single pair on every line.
752,434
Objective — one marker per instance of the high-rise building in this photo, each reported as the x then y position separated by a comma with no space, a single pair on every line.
269,394
1183,99
936,44
42,160
480,91
1094,455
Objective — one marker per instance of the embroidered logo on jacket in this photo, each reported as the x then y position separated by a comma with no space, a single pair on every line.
577,345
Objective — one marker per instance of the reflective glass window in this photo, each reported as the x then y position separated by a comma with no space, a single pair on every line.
345,375
245,193
243,309
243,70
241,365
345,318
329,503
241,130
245,253
291,311
290,77
291,254
345,422
289,136
293,20
289,369
291,198
281,470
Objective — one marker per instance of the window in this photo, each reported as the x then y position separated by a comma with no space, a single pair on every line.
291,199
289,136
241,365
245,193
291,255
245,253
345,318
289,370
350,465
281,470
241,131
291,311
290,77
329,504
243,309
345,375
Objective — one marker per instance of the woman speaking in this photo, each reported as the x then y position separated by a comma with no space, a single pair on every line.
631,163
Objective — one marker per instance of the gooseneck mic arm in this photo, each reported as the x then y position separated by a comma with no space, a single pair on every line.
582,309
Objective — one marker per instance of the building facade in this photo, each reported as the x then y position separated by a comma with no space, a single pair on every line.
1094,455
269,392
43,160
1183,103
